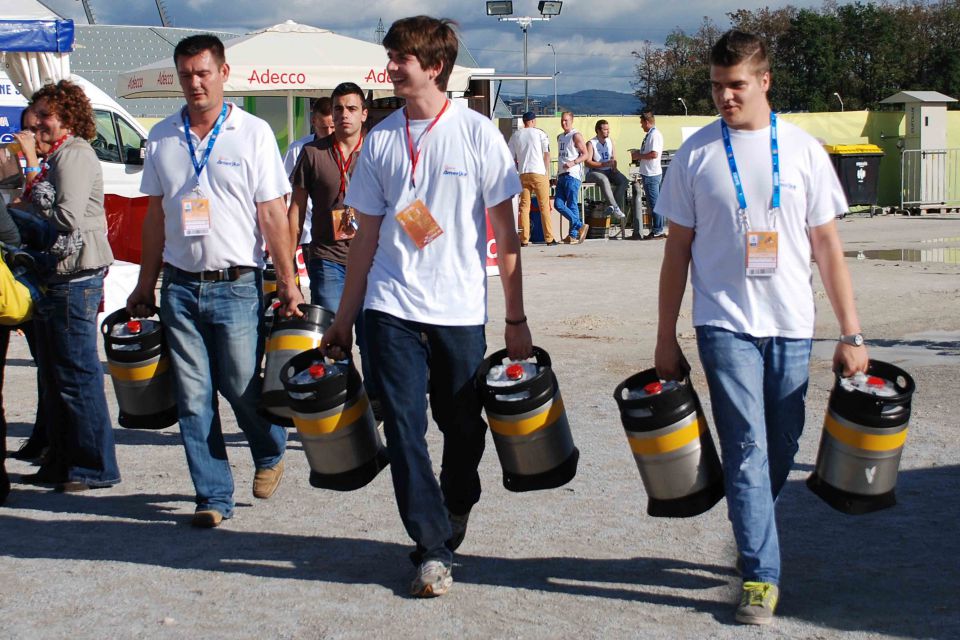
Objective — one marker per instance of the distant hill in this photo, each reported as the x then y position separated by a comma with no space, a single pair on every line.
590,102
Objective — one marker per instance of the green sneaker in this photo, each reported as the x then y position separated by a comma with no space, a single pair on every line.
758,602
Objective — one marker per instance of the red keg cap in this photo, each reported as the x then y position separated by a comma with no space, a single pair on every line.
317,371
653,388
874,381
275,304
514,372
133,326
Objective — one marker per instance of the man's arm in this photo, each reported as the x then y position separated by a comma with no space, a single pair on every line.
275,227
338,338
668,357
297,214
828,252
517,336
589,159
546,162
580,146
141,302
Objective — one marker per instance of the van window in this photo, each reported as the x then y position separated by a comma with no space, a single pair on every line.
130,140
105,144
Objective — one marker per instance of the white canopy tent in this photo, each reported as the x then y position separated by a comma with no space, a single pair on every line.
35,44
289,60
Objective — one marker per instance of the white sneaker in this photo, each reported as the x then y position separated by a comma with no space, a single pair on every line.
620,215
433,579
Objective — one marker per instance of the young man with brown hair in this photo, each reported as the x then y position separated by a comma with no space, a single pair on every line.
750,200
426,177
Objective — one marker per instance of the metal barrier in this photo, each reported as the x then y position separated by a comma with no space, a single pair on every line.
929,178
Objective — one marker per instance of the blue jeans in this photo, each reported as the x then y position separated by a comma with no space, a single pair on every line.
566,200
757,390
326,289
212,331
651,186
406,352
82,435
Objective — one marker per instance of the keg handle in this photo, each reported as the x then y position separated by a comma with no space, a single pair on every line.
121,315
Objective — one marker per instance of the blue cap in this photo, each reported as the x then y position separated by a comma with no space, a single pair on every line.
529,115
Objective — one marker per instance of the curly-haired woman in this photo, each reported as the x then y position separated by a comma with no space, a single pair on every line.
82,447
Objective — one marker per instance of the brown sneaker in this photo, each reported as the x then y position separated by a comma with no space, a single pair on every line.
266,481
569,240
583,233
207,519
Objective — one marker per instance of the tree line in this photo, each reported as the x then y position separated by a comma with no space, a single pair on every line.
862,52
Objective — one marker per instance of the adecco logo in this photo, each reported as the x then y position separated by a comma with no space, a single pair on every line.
135,82
276,78
377,76
165,79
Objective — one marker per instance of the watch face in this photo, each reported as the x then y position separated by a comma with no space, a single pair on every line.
858,340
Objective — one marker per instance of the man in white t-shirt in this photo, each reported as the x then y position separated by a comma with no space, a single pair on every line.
321,121
651,172
749,254
426,176
530,147
216,188
602,169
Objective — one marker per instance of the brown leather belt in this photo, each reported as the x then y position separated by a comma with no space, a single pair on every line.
218,275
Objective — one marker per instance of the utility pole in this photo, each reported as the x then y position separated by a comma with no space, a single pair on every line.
87,9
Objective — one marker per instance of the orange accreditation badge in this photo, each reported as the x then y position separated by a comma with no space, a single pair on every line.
419,224
195,214
343,222
762,253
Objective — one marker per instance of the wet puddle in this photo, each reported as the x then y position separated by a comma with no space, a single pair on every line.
942,255
913,349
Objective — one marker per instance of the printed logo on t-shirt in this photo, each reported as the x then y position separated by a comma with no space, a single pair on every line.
227,162
453,171
791,186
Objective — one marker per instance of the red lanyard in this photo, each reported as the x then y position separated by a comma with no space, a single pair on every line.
344,163
45,166
415,157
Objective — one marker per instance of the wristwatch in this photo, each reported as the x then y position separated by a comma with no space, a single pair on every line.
854,339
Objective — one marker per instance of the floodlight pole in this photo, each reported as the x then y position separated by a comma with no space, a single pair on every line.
554,78
524,23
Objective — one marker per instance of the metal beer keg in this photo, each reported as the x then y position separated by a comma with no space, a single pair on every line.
671,444
864,430
333,417
140,369
528,422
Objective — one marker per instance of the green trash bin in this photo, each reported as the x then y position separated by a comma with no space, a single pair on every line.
858,168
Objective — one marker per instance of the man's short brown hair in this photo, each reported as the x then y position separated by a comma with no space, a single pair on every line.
647,116
600,123
432,41
735,47
195,45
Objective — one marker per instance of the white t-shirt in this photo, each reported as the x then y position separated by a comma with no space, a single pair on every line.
289,162
244,168
567,152
464,167
698,192
652,141
528,146
602,151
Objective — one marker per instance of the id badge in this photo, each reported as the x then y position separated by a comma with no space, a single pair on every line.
195,214
344,223
419,224
762,249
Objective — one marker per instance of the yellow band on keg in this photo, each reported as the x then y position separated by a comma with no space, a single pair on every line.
860,440
139,374
269,286
292,343
323,426
667,442
528,425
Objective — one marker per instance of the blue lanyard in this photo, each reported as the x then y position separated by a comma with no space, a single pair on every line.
775,158
198,166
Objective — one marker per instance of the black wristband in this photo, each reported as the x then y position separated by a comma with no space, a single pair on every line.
522,320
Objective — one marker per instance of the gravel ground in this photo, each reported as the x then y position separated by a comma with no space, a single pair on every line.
580,561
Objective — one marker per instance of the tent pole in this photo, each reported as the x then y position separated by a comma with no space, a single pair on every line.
290,124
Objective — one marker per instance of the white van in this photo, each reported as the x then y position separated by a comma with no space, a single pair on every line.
119,146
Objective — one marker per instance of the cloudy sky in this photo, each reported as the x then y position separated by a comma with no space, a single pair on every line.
593,38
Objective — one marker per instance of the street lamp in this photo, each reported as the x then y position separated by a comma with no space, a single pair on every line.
503,8
840,99
554,78
684,105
